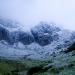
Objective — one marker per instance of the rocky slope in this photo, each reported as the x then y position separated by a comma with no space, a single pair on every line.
44,50
41,42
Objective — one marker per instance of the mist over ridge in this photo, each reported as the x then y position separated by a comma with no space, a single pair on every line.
29,13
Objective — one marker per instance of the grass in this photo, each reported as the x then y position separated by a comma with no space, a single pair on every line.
10,67
62,65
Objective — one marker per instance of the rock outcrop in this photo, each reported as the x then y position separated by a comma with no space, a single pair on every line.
44,34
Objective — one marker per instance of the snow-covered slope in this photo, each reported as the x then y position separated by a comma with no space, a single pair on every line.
41,42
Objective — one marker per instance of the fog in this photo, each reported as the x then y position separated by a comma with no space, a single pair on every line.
31,12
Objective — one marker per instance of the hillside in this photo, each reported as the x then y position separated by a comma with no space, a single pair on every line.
44,50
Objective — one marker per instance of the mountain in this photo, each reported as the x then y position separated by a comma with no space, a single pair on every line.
41,42
11,32
44,50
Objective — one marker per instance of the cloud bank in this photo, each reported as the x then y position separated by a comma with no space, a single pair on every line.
30,12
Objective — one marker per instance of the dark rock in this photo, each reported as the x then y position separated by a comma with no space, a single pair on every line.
71,48
26,38
42,34
13,38
33,70
3,33
73,35
16,36
40,68
19,36
45,34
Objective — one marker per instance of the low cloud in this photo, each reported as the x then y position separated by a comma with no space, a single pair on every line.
29,13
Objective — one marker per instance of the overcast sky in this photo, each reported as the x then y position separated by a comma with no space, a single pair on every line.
30,12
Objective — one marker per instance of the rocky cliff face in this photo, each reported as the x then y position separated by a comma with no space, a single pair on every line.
44,33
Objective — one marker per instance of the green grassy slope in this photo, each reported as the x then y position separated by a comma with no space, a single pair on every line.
10,67
63,64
